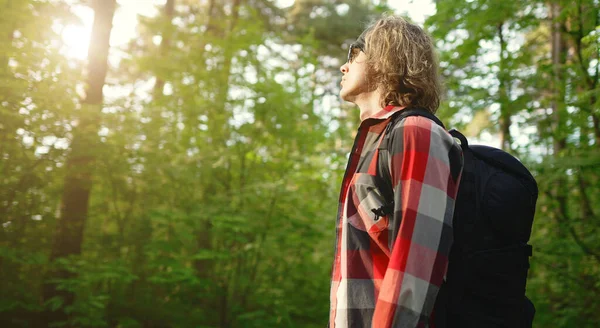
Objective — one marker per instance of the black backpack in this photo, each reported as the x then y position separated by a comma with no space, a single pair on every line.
489,259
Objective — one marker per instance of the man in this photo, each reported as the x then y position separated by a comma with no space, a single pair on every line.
388,269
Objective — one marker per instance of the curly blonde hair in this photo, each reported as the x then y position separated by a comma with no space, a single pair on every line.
403,63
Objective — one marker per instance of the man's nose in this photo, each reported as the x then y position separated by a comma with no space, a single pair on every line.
344,68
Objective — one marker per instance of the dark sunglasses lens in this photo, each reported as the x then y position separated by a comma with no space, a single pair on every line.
352,52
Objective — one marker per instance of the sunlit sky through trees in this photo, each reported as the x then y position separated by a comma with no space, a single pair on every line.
76,37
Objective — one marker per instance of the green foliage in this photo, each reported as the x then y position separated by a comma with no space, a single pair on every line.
541,89
215,176
218,161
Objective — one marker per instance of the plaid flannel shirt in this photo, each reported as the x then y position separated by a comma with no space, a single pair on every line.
387,270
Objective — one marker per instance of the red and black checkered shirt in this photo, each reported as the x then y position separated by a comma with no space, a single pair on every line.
388,269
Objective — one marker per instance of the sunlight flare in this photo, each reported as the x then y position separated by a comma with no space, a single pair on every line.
76,39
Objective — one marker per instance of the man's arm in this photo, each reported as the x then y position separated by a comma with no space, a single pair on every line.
421,227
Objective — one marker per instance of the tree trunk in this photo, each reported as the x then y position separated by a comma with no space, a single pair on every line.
78,180
169,11
558,48
4,57
559,58
504,93
219,132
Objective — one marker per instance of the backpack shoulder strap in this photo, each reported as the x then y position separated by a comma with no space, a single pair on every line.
383,164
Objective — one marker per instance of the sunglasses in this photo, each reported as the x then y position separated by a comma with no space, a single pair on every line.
354,50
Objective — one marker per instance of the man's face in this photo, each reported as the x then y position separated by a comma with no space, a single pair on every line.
355,80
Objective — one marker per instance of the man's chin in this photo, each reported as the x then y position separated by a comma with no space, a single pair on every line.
344,96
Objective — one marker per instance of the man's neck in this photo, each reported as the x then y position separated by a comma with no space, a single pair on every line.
369,103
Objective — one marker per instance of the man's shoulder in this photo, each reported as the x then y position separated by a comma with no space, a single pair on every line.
416,124
421,131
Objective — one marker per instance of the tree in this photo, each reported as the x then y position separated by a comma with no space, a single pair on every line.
80,162
37,88
538,90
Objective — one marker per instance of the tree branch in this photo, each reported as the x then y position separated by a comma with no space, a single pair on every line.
563,218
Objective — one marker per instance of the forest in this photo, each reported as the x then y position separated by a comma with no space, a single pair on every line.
189,175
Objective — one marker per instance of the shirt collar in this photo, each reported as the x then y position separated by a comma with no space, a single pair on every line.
385,112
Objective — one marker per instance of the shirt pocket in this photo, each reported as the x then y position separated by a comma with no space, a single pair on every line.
364,197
